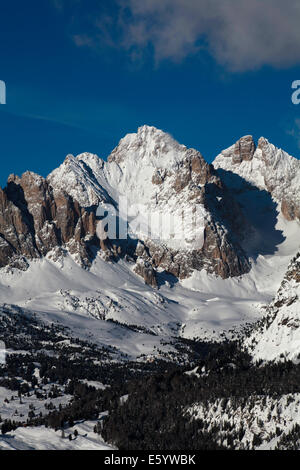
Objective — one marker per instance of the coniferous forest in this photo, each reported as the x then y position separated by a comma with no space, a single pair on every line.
161,405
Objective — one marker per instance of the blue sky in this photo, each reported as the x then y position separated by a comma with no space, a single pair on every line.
82,74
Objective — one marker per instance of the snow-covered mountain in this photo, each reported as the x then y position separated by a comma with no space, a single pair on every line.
277,336
48,230
155,173
265,167
261,176
80,310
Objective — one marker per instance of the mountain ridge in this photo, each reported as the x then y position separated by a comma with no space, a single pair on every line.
151,168
268,168
49,230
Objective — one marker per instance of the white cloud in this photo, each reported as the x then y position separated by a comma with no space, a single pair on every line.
239,34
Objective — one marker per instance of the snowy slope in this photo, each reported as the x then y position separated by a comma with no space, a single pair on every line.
14,410
128,171
129,174
109,304
266,180
264,416
202,306
79,176
42,438
98,302
277,337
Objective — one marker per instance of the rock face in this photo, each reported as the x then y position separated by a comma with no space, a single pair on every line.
163,180
36,219
268,168
182,216
243,150
145,269
277,337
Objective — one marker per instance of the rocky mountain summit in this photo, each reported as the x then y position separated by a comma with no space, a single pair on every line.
167,179
266,167
160,180
36,219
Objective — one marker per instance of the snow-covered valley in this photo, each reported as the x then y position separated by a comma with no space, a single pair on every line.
203,306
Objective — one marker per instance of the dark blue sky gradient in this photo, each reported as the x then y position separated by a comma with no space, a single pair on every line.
65,99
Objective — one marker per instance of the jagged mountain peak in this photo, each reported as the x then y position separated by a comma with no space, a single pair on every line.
147,134
28,177
150,145
266,167
275,157
79,176
76,163
36,219
90,159
245,149
151,169
242,150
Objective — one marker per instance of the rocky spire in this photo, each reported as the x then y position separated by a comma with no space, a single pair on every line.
244,149
266,167
35,219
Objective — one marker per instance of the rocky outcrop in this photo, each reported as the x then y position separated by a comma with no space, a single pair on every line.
220,253
265,167
35,219
244,149
183,181
145,270
152,170
148,168
16,235
282,178
293,273
290,209
193,169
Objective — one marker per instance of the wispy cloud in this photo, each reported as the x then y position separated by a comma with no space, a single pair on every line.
83,40
239,34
